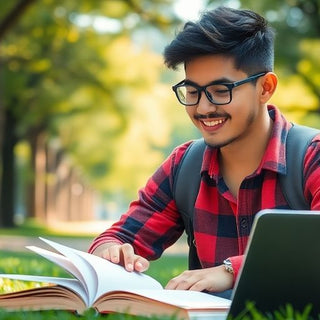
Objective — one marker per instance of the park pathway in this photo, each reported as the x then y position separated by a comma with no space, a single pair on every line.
18,243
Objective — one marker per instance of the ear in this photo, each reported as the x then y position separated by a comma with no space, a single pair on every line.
269,84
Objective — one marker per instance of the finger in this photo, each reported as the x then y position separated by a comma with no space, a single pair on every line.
141,264
172,284
181,282
128,256
199,286
113,254
178,285
105,254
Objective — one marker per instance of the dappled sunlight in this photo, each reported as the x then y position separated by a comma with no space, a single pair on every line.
128,64
293,94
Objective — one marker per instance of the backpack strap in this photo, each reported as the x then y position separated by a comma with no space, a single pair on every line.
292,183
185,191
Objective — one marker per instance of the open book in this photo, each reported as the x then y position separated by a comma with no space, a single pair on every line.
107,287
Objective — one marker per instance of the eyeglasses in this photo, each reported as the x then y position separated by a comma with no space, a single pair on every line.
217,92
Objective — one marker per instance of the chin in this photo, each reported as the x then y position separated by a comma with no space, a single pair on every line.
218,144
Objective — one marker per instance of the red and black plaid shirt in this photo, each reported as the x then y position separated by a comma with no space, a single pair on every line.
222,223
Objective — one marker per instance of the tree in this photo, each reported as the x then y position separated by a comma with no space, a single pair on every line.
8,21
12,15
54,73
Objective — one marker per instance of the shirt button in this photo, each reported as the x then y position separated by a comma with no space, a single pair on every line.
244,223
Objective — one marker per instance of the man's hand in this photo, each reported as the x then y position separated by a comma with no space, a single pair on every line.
214,279
122,254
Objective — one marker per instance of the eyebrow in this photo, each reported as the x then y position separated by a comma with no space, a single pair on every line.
217,81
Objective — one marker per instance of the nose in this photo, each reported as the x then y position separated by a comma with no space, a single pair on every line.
205,106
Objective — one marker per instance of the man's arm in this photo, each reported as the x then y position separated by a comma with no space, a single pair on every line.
151,224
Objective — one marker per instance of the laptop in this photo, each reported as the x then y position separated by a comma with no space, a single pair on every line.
282,263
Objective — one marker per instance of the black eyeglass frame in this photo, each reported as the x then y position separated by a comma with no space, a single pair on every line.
229,86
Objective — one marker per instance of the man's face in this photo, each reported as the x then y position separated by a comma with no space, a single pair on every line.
222,125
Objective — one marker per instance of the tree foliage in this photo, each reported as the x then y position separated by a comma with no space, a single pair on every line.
74,78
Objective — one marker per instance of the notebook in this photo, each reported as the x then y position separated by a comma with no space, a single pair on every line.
282,263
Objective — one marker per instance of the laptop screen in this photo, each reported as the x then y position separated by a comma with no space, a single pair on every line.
282,263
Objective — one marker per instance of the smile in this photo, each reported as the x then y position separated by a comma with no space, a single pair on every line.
213,122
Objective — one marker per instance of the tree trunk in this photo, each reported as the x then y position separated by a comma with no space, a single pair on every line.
40,178
2,115
8,172
36,191
13,16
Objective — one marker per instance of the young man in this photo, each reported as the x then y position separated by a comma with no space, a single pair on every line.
228,61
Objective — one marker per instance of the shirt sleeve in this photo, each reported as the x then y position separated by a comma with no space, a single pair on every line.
312,174
236,262
152,222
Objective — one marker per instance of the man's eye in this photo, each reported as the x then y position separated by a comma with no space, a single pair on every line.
222,91
218,90
192,92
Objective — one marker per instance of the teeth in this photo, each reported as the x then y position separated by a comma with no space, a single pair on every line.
212,123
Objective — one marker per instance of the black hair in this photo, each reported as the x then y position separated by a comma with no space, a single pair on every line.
241,34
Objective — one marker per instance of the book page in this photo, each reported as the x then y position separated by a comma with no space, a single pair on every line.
72,284
53,297
59,260
106,275
186,299
182,304
67,265
114,277
79,267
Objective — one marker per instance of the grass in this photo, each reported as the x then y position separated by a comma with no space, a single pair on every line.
30,263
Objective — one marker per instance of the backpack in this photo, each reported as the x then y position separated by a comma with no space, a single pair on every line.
187,180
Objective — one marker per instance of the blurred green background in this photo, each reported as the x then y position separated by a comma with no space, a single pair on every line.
86,107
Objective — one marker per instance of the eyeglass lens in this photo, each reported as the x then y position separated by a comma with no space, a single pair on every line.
217,93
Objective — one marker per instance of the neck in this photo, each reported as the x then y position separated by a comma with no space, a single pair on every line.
243,156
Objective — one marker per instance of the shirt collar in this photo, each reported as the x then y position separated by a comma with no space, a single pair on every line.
274,158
